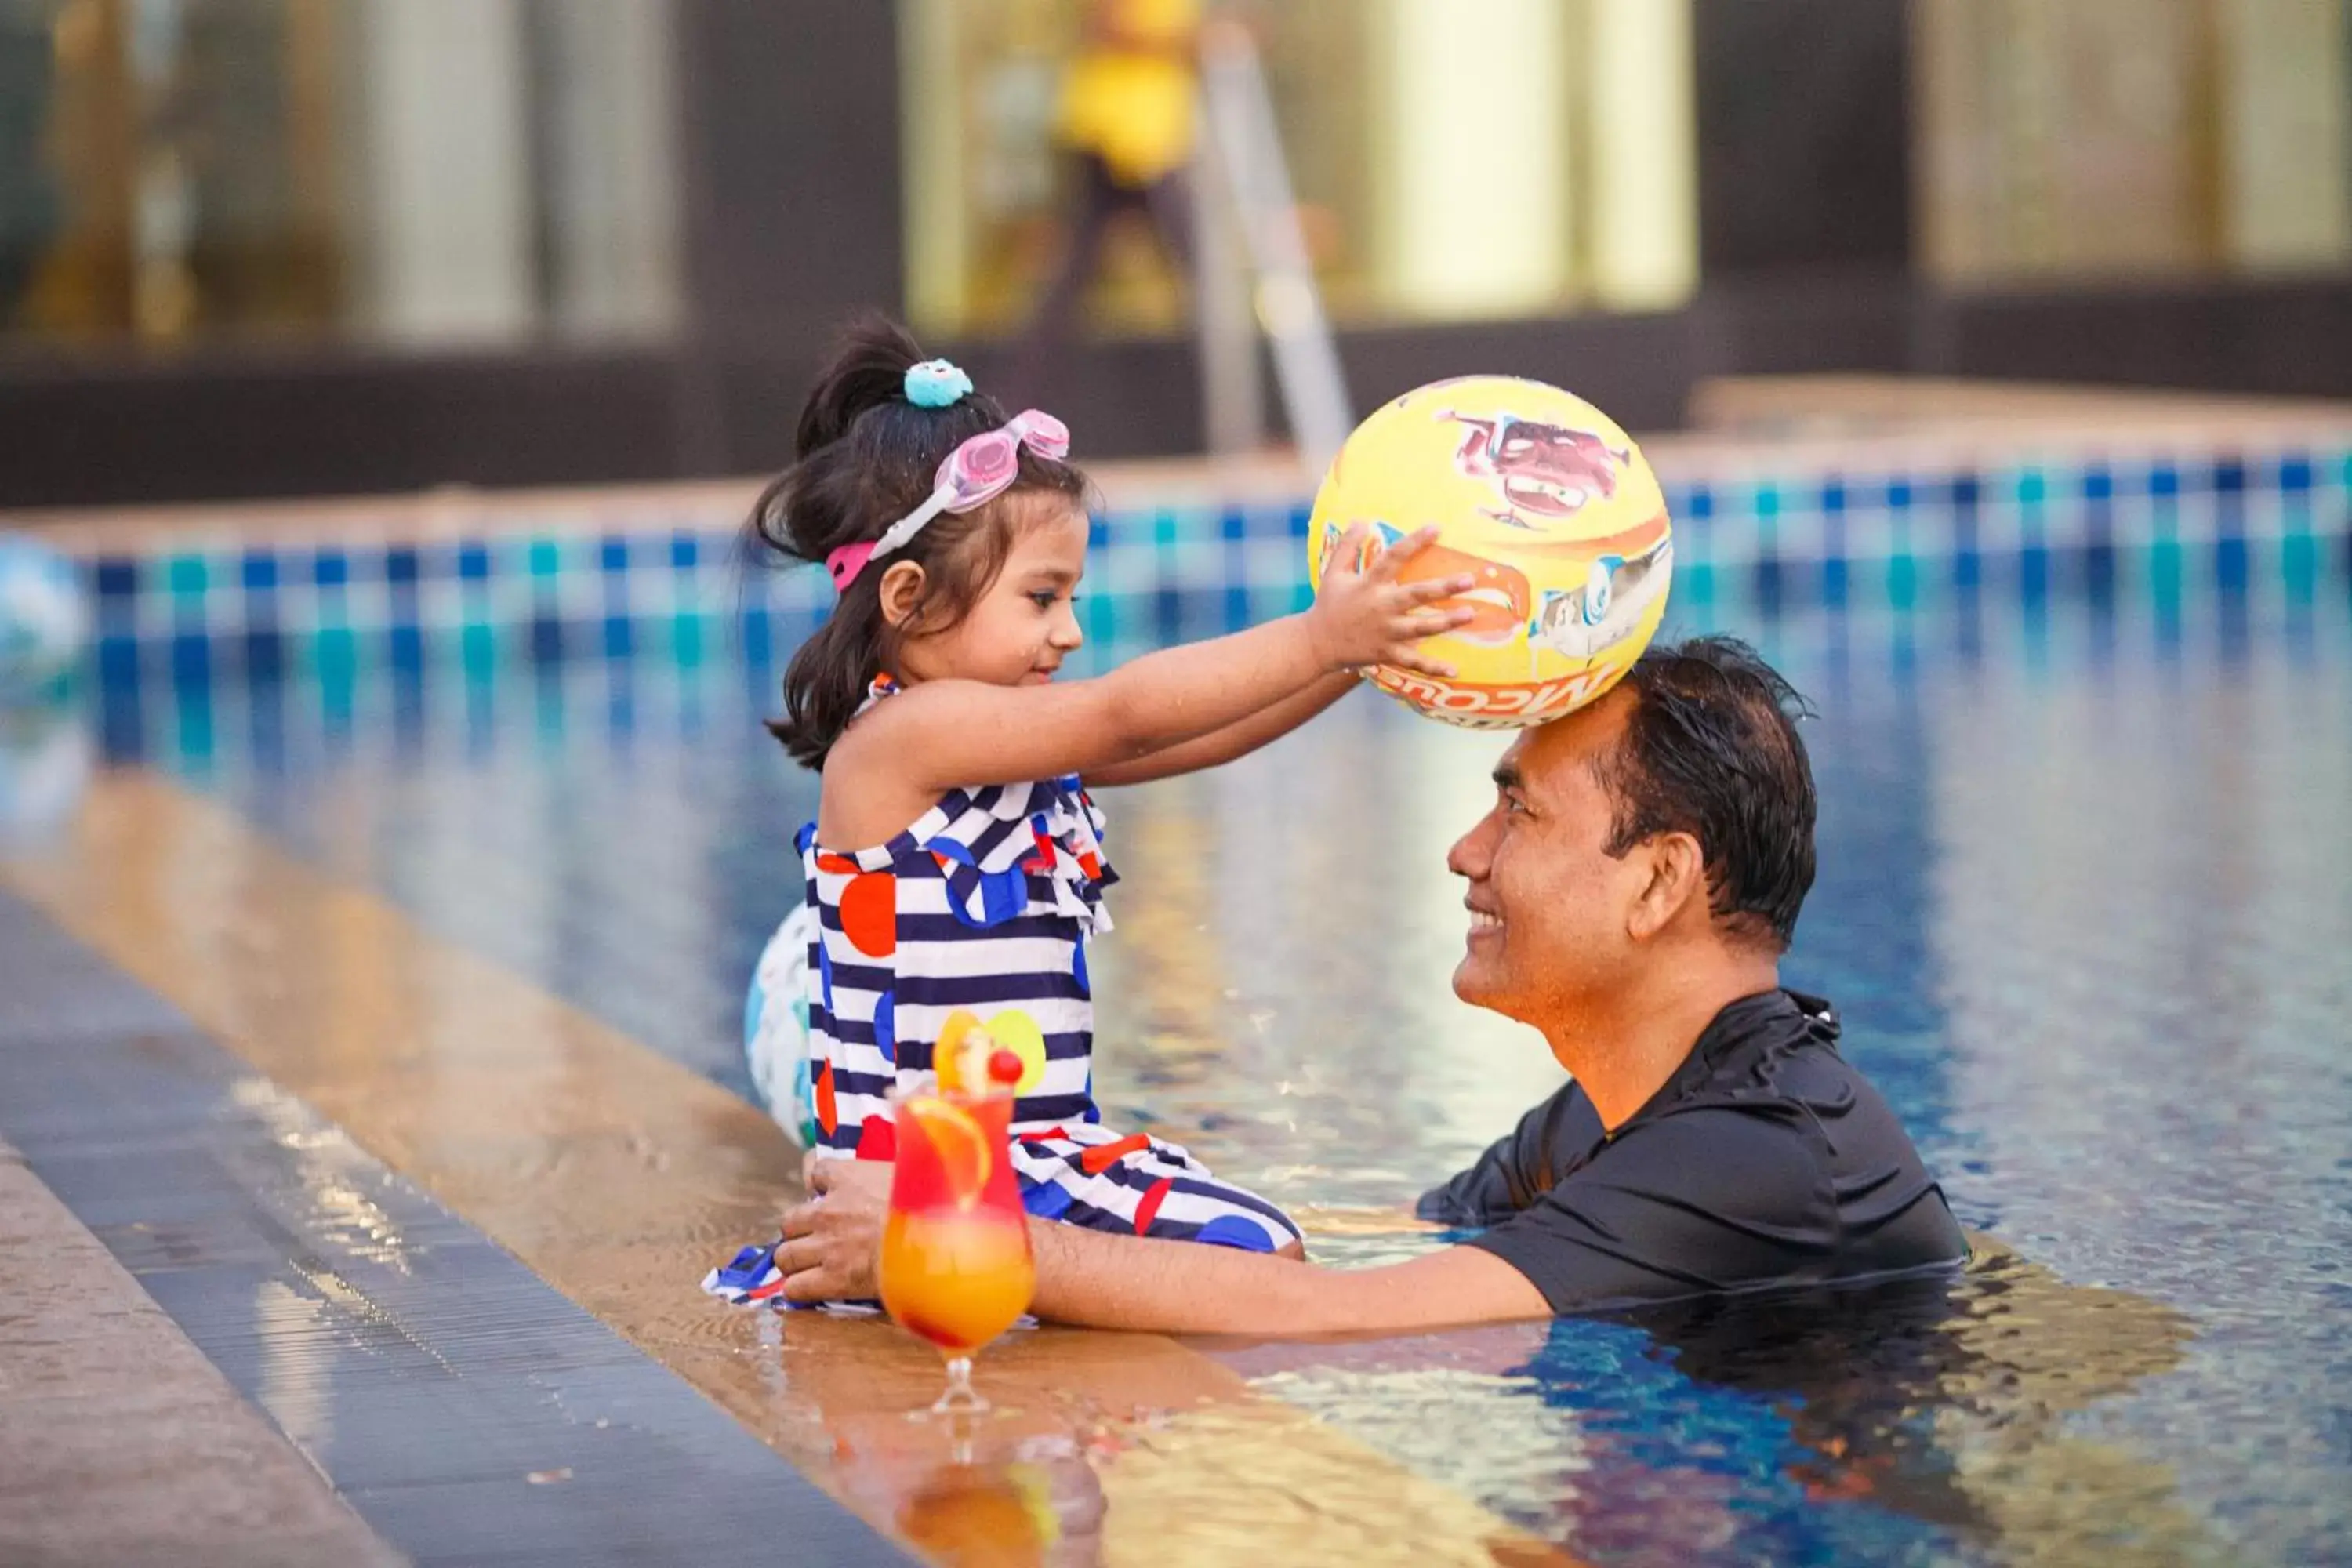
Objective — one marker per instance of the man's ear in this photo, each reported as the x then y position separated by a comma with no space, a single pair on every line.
1677,875
902,593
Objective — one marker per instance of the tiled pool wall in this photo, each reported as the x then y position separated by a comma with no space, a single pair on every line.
536,584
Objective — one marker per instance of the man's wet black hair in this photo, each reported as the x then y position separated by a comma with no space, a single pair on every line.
1711,749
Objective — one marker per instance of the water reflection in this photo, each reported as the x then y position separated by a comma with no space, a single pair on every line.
1039,1508
1141,1450
1926,1419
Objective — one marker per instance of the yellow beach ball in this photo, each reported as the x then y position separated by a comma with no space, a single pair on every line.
1543,501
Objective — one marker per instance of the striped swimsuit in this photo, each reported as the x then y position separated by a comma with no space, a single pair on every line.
985,906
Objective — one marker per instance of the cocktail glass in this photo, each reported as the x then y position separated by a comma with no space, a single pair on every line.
956,1270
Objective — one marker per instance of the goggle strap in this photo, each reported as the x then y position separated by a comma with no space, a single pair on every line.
1025,429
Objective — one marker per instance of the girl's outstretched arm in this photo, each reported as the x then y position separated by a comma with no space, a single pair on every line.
942,735
1237,740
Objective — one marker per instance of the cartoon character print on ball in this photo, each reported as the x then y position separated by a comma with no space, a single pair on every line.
1546,505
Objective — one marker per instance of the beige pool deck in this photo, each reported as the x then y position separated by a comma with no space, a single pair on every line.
119,1441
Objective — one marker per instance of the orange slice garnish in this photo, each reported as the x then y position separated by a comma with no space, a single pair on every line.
960,1143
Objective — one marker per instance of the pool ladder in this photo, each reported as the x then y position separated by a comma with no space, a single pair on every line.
1251,271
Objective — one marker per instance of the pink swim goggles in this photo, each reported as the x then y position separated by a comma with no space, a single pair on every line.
972,475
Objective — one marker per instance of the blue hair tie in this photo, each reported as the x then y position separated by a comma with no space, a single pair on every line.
936,384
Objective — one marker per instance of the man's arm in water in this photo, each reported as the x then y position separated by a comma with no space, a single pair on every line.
1165,1286
1181,1287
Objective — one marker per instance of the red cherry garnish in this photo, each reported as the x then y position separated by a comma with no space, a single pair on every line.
1004,1067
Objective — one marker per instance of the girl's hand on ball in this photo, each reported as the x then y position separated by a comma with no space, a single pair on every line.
1364,615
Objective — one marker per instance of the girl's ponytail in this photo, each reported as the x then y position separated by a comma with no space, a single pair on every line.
869,370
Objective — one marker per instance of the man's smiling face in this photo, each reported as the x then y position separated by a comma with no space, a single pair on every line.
1548,902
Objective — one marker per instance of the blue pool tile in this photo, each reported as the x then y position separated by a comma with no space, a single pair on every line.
1899,496
114,577
118,661
1834,581
685,551
757,635
2230,564
688,639
2295,473
407,646
399,564
1903,581
330,568
335,653
2098,484
1701,502
619,639
2164,479
265,652
191,659
258,572
473,562
2230,475
477,647
1233,524
546,640
2097,573
1833,495
2098,552
612,553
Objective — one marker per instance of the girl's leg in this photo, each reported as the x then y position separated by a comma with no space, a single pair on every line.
1139,1186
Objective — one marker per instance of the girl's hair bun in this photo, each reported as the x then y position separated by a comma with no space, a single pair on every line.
936,384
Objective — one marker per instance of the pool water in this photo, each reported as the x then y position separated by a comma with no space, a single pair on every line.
2084,901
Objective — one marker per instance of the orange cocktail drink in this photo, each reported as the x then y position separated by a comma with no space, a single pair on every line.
955,1266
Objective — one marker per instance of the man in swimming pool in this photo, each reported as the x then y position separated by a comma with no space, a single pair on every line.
1630,895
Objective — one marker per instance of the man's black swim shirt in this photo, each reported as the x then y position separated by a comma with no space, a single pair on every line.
1766,1160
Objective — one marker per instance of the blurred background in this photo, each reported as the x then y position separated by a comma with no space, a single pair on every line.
529,241
381,386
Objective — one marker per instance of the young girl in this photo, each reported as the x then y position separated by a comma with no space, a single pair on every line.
955,870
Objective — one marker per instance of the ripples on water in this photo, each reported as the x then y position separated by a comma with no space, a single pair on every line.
2085,896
